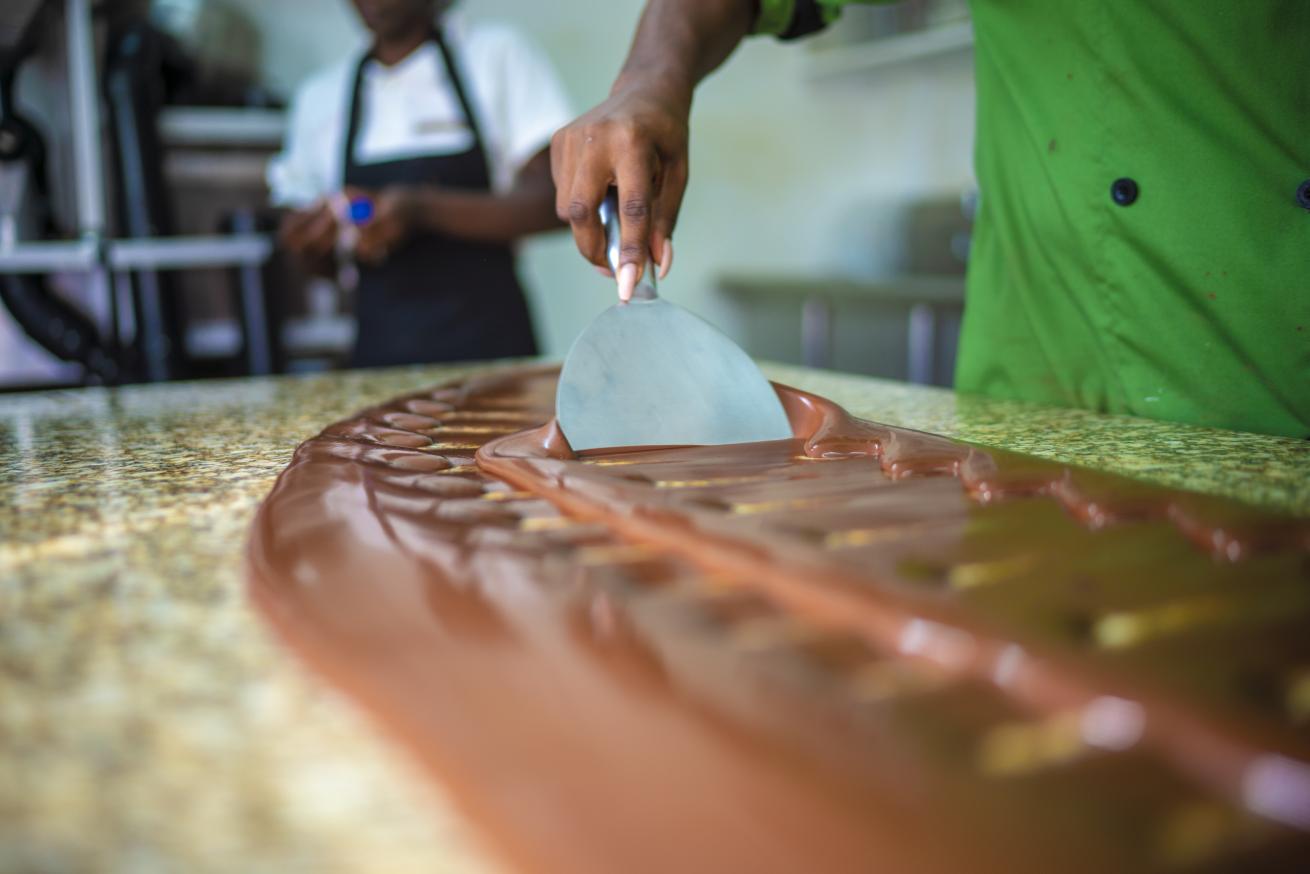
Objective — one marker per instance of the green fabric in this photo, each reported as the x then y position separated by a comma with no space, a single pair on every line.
775,15
1193,303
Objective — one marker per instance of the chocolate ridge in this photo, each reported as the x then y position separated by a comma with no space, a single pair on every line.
516,649
1216,750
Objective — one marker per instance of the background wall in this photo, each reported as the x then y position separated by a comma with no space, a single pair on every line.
789,174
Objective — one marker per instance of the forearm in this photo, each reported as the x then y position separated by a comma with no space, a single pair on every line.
486,217
481,217
680,42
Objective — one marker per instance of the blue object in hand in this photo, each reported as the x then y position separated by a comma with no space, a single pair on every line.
361,210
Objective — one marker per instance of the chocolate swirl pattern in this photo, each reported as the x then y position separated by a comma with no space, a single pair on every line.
861,647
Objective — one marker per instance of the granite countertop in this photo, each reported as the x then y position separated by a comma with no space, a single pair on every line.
149,721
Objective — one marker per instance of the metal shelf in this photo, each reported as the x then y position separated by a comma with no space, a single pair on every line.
48,256
155,253
181,253
106,261
222,126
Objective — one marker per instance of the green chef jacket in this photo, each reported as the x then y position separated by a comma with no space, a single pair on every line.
1143,238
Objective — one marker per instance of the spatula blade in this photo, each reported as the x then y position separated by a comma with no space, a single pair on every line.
649,373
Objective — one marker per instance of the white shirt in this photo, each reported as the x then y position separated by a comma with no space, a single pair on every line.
411,109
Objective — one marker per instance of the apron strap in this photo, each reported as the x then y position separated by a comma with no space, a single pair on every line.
461,94
352,116
457,81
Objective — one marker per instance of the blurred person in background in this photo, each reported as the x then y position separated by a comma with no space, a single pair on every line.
410,170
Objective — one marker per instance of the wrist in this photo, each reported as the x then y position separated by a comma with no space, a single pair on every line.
421,207
666,83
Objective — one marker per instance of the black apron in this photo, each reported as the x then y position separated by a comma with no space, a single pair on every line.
436,298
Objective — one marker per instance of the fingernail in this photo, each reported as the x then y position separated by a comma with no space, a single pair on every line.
627,281
604,271
666,262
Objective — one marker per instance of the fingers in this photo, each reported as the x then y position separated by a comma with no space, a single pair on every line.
378,239
582,202
673,185
291,231
309,233
389,224
321,235
635,176
625,142
370,248
666,258
562,168
570,208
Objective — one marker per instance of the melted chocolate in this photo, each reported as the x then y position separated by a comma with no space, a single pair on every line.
862,647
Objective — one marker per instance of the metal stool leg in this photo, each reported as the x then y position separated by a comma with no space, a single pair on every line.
922,344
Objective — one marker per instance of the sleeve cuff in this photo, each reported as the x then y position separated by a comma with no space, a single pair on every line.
791,19
775,16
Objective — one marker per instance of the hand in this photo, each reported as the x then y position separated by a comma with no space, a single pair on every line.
395,218
637,141
309,235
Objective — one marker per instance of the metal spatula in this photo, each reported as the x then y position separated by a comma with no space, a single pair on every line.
648,373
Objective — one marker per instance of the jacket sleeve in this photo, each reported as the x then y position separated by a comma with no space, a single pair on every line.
792,19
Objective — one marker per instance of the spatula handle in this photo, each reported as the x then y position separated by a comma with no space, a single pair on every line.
609,217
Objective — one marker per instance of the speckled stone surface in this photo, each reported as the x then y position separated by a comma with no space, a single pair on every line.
149,722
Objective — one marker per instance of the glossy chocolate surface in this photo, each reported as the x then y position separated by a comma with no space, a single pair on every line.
862,648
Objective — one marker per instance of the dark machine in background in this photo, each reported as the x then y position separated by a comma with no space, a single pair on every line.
147,69
139,64
132,251
56,325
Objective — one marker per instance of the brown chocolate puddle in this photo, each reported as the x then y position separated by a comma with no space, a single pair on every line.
862,648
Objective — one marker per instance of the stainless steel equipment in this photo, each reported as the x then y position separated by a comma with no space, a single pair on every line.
648,372
99,258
